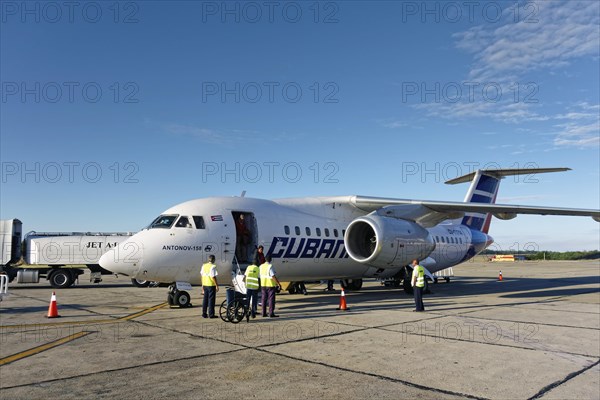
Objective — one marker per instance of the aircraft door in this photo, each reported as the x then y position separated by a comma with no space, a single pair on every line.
246,236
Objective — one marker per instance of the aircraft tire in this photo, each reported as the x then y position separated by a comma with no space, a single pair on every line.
140,282
182,299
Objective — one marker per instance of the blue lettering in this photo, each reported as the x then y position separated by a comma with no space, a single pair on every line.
311,248
284,247
272,248
326,248
289,253
338,244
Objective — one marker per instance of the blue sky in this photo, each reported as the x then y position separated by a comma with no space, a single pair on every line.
112,112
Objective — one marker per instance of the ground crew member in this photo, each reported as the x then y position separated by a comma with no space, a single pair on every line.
269,284
210,287
251,277
418,283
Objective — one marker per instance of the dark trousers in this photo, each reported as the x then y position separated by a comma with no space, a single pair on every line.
418,298
252,294
208,302
268,295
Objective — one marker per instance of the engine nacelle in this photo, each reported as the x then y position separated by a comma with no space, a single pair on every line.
505,215
386,242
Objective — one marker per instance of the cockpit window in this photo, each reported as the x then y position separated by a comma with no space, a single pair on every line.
199,221
183,222
163,221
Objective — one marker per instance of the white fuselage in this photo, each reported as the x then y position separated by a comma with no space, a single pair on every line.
305,237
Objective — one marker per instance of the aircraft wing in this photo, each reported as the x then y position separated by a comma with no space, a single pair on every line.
430,213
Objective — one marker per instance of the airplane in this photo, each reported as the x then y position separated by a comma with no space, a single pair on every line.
317,238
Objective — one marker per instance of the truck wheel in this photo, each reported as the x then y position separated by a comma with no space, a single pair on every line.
61,279
182,299
140,282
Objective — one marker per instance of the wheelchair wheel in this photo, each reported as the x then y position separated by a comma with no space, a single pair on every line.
223,312
236,311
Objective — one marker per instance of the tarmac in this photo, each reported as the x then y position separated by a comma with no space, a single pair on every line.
533,335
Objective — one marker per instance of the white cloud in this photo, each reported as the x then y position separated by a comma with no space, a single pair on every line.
211,136
505,52
582,129
394,124
563,31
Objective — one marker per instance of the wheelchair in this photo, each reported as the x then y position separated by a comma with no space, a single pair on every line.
234,308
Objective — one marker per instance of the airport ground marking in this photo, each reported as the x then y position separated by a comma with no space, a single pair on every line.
71,337
44,347
143,312
61,323
94,321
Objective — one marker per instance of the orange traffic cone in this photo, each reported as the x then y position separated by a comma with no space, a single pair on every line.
500,276
53,310
343,306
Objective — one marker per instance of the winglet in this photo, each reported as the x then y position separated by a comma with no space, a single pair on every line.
500,173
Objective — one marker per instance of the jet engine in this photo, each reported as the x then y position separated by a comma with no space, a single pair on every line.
386,242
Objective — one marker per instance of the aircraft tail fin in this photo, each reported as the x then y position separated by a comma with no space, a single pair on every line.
484,189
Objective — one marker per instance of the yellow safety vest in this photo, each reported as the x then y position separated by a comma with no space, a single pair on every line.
252,273
265,278
206,278
420,271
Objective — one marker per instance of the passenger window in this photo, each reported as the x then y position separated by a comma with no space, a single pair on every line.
327,232
343,232
297,229
199,222
437,239
443,241
318,231
307,231
460,239
335,232
183,222
286,229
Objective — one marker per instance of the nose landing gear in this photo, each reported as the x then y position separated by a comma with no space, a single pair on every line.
178,297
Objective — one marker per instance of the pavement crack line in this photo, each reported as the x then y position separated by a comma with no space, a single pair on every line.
262,348
556,384
382,377
94,373
531,323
